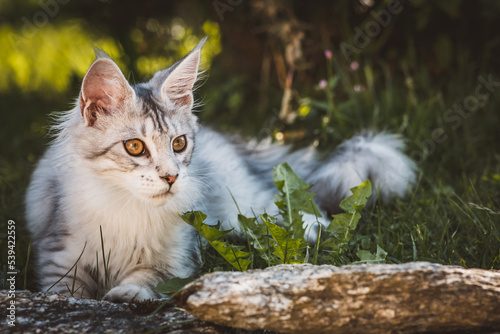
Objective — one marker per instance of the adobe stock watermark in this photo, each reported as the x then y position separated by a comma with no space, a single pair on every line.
455,116
372,29
11,273
222,6
48,10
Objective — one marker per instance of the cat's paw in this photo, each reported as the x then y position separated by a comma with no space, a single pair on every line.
128,293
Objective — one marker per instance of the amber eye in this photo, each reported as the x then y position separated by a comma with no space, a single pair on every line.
134,147
179,144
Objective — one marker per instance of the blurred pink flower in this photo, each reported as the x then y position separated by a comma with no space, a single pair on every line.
322,84
358,88
354,65
328,54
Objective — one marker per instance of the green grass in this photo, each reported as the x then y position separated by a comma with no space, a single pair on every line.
451,217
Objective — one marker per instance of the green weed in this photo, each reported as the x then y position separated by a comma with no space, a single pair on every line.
281,239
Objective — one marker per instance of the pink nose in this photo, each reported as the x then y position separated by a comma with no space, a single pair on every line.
169,178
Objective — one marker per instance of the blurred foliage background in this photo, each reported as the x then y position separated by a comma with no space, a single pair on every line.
279,68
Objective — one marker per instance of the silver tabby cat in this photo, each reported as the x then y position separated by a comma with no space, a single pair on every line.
128,160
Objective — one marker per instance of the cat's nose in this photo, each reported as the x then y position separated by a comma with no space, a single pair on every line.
170,179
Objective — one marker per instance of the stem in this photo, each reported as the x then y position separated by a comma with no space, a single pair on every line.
333,112
316,250
104,260
26,265
238,262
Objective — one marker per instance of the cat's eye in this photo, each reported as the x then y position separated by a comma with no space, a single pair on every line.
134,147
179,144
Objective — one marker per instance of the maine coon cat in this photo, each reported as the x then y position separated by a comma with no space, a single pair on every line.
128,160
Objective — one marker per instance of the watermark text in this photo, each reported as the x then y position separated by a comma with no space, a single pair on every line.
11,273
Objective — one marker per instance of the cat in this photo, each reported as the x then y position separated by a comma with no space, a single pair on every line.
105,199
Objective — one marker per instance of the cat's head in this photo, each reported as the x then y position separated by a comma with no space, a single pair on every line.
139,138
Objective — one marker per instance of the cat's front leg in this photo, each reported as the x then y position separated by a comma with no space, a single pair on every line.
137,286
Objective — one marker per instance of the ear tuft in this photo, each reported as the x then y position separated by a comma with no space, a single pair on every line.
175,85
100,53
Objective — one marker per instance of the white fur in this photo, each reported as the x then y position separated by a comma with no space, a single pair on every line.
129,223
87,182
378,157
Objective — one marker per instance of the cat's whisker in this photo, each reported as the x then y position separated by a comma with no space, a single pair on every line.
203,183
126,203
118,200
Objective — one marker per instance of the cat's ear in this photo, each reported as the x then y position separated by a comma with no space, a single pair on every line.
104,90
174,86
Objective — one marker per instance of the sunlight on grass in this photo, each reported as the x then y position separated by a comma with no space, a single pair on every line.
49,57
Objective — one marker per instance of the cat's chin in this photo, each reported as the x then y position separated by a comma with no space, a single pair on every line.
161,199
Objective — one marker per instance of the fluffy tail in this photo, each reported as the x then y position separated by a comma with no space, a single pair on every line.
377,157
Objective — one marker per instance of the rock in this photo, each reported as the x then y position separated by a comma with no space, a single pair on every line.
42,313
411,298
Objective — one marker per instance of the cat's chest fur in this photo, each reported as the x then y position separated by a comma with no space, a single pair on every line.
128,232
